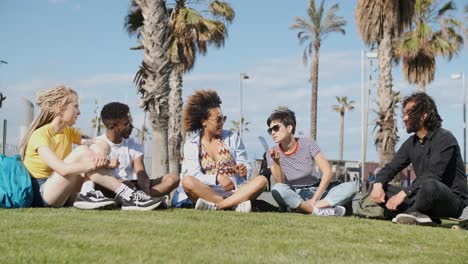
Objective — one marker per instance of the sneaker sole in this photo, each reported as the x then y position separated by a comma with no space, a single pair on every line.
410,220
95,206
137,208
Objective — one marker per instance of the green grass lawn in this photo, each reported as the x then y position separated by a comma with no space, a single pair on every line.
189,236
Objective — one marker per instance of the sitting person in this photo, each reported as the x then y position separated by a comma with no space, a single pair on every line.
292,165
440,188
129,153
57,171
214,169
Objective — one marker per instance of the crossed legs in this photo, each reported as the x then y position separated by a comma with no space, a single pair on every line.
250,190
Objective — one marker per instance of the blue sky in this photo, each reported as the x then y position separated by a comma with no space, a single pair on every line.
82,43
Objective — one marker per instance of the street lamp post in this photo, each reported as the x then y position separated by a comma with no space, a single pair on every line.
242,77
458,76
370,55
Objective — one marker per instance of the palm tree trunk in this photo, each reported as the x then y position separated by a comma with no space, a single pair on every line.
314,79
155,88
386,139
175,119
421,87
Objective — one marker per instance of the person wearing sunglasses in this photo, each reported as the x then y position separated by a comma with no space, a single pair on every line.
292,163
215,172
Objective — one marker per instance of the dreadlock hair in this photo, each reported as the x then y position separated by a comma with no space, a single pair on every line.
197,109
424,104
52,103
113,112
285,116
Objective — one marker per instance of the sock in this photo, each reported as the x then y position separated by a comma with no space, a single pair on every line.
87,186
124,191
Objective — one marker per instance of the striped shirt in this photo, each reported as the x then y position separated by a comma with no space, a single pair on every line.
299,166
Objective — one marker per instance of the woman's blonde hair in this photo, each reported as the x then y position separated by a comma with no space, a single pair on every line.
52,102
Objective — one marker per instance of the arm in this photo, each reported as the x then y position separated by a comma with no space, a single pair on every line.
142,176
327,174
273,159
65,169
400,161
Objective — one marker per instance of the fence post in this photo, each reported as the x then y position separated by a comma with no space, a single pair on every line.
4,136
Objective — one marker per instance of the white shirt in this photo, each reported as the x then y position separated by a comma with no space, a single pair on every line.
125,152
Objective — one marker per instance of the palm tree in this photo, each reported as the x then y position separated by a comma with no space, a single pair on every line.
313,30
96,122
190,34
236,126
466,18
433,33
341,107
380,22
152,79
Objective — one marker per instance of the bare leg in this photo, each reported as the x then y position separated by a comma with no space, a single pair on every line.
308,209
196,189
58,188
164,186
251,190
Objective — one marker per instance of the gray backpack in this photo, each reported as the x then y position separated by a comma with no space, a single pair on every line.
368,209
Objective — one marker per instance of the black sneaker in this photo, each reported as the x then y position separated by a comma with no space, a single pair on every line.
93,200
413,218
140,201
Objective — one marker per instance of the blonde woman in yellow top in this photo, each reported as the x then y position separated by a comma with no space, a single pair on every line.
57,171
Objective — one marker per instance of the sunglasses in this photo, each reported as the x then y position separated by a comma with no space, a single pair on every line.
219,119
275,128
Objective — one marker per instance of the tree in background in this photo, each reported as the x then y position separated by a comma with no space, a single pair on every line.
341,107
152,79
190,33
236,126
434,32
313,30
380,22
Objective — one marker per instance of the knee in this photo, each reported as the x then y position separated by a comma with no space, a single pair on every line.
174,180
80,153
261,181
100,146
430,186
188,183
280,187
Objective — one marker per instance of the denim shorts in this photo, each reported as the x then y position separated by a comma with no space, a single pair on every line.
38,193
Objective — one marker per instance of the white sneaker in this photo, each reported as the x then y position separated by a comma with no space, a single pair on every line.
413,218
329,211
244,207
203,204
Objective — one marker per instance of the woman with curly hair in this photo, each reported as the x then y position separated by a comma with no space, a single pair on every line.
57,172
215,170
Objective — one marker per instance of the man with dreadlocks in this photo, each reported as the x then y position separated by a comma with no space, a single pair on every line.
440,188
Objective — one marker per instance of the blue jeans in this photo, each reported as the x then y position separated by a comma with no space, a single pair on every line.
290,197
